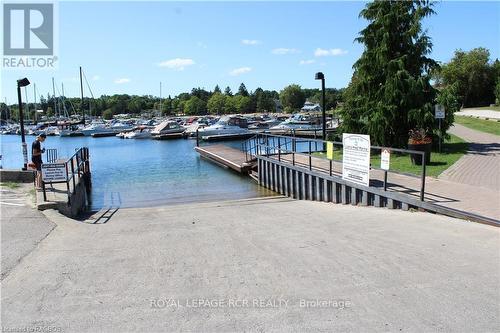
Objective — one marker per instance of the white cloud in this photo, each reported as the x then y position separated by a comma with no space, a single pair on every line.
177,64
122,80
96,78
283,50
250,42
307,62
239,71
319,52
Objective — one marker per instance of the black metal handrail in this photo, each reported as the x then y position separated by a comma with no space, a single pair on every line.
265,146
76,167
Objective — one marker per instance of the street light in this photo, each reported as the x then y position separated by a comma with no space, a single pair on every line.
22,83
321,76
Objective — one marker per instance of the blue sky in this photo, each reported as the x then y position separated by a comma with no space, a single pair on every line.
129,47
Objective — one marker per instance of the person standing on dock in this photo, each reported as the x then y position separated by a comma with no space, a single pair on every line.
36,158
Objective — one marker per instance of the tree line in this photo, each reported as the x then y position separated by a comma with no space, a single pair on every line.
197,102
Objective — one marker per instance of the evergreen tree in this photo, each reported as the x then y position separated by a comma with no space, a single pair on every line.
217,89
228,91
390,91
242,90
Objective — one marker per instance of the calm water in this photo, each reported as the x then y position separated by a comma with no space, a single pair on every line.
137,173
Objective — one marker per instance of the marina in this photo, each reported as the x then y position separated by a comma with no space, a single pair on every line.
139,173
250,166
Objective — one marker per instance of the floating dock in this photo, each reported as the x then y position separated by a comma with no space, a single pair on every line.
227,157
168,136
103,134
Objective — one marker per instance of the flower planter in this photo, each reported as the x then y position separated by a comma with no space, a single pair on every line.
417,158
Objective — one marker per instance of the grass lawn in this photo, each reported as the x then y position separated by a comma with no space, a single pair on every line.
10,185
494,108
487,126
452,150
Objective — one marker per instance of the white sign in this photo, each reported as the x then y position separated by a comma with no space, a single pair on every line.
356,158
439,111
54,172
385,159
25,152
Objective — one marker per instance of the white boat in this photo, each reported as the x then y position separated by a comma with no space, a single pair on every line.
228,125
51,131
118,127
142,132
167,127
191,129
70,130
95,127
298,122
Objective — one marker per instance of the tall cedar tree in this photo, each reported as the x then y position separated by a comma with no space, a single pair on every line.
390,92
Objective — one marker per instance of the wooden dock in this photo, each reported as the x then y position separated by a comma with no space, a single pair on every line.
226,157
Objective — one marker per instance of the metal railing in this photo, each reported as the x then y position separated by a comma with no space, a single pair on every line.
267,145
51,155
76,167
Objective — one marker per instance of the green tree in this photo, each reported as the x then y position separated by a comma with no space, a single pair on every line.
230,105
167,108
50,111
390,91
332,97
195,106
4,111
217,90
107,114
242,103
242,90
497,93
217,104
448,97
201,94
473,73
228,91
292,97
264,101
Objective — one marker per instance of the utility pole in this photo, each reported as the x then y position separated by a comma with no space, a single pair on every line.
27,105
22,83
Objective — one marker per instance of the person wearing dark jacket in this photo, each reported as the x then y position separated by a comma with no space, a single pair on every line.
36,158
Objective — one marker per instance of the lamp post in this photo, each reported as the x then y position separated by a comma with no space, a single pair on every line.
321,76
22,83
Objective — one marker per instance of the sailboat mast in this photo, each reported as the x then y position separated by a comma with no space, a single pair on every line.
81,92
63,101
34,95
54,96
160,99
